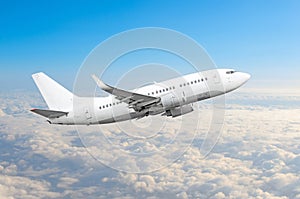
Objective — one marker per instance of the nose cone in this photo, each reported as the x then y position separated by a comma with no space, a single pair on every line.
246,76
236,80
243,78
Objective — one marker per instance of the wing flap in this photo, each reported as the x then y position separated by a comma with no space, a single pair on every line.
49,113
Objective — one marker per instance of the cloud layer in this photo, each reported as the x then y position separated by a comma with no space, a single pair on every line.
257,156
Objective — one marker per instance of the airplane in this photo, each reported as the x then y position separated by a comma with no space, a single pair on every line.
171,98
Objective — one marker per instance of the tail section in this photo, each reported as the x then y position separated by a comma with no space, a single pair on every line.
57,97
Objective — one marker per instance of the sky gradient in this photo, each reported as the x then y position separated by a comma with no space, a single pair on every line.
259,37
257,154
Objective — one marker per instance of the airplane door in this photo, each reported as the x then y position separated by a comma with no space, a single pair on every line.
216,78
183,97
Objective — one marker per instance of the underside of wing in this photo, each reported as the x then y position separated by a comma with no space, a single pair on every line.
134,100
49,113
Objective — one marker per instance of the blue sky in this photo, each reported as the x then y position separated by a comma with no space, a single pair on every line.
260,37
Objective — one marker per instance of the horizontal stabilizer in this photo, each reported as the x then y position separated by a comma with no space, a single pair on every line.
49,113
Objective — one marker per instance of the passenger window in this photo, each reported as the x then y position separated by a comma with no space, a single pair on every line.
205,78
191,82
202,79
152,93
106,105
99,107
195,81
167,89
173,87
114,104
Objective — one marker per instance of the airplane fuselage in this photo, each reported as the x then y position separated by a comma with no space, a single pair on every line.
174,98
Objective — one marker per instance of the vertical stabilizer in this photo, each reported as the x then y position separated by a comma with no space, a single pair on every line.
57,97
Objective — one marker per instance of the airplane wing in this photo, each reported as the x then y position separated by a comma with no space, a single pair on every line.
49,113
134,100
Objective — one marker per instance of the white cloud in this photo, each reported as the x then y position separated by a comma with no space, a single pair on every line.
66,182
2,113
22,187
257,156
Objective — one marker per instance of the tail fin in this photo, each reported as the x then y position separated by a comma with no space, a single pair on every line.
57,97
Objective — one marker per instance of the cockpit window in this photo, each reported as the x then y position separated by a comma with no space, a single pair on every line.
230,72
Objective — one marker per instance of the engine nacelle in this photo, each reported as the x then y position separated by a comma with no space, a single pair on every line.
174,112
170,101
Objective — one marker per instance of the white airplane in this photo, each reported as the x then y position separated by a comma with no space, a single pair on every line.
172,97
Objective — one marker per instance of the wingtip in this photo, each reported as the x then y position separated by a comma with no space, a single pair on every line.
35,75
95,78
100,83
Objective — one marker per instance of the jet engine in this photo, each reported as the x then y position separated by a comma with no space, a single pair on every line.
177,111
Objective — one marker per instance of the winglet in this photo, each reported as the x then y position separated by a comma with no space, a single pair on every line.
100,83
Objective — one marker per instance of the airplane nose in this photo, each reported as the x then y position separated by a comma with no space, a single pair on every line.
247,76
243,77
